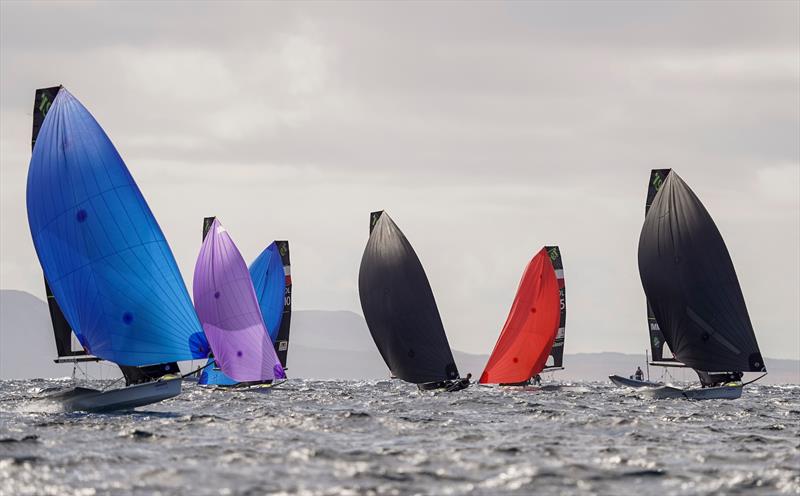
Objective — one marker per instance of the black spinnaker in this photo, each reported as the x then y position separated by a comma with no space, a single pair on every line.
691,284
400,309
62,332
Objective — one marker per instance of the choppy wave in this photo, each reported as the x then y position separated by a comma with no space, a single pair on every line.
384,437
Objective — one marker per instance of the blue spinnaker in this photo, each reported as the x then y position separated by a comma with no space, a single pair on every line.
213,375
269,281
103,254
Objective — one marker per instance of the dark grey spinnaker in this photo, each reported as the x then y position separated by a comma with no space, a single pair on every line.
692,288
400,309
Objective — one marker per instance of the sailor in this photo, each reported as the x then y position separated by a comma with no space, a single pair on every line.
458,385
537,380
639,375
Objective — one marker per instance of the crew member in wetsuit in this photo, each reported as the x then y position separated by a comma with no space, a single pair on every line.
461,384
639,375
537,380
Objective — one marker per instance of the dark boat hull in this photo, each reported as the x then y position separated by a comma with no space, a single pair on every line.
633,383
128,398
448,386
726,392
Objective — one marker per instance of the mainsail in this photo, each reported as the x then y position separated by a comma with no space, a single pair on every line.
272,281
62,332
556,359
228,309
690,282
657,178
531,327
400,309
110,269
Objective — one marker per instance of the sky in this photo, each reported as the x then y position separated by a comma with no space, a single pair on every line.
486,130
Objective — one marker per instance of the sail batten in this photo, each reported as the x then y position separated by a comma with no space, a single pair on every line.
111,273
691,285
400,308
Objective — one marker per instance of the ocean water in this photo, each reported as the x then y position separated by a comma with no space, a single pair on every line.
384,437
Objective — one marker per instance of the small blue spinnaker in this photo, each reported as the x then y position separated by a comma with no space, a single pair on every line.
269,281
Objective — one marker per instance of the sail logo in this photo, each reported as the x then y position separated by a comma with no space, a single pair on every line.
553,253
657,181
45,104
283,345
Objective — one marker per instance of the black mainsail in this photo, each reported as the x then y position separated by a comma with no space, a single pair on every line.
62,332
282,340
657,178
400,309
692,288
556,359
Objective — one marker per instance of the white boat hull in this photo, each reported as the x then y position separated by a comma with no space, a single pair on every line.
712,393
128,398
633,383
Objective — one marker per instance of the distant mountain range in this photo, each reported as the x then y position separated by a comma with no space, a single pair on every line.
324,345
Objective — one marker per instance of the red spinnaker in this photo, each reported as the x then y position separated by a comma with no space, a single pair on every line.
531,327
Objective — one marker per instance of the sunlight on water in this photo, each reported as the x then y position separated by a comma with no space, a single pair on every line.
384,437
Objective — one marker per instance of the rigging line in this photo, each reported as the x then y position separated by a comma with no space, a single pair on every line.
754,380
198,370
112,383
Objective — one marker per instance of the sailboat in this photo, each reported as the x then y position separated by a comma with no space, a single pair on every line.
110,276
272,282
533,334
401,312
695,296
228,309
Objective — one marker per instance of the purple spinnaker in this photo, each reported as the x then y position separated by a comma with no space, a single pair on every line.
228,309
